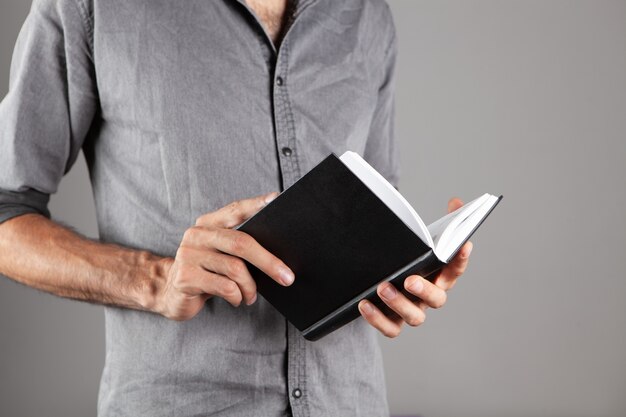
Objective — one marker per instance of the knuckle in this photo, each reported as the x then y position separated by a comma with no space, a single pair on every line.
235,267
206,220
210,233
234,219
189,233
234,207
183,253
240,242
230,290
192,233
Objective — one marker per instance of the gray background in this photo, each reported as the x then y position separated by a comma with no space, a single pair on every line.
523,98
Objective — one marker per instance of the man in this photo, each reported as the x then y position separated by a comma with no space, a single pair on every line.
181,108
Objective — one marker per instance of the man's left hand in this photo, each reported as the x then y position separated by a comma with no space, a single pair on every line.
430,294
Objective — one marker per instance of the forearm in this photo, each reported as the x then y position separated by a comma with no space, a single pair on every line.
41,254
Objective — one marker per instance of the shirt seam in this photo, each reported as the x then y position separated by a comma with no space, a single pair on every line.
391,45
87,23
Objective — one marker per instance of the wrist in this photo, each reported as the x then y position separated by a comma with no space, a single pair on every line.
150,297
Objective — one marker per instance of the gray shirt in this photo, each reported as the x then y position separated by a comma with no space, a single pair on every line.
182,107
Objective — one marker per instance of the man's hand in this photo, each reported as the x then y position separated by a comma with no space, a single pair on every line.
431,294
209,262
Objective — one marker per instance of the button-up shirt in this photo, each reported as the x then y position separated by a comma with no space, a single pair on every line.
182,107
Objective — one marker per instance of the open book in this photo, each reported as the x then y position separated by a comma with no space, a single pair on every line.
446,235
343,229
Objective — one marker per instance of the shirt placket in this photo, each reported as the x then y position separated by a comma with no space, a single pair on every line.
289,161
283,120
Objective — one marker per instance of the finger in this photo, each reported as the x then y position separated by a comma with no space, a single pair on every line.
376,318
450,273
454,203
223,287
428,292
229,266
236,212
196,281
405,308
244,246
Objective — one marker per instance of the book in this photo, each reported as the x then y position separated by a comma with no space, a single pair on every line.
343,229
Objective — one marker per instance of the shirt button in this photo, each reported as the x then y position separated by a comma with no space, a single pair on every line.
279,81
287,151
297,393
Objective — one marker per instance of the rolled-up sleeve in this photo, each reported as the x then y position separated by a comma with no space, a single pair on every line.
381,150
50,105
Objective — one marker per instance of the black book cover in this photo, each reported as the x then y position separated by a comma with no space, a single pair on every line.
341,241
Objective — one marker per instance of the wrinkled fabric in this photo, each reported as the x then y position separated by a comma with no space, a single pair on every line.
182,107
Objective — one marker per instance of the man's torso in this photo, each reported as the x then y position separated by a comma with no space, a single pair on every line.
196,109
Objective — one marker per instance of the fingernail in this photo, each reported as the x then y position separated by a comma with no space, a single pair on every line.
389,292
367,307
252,301
469,251
416,286
270,198
286,276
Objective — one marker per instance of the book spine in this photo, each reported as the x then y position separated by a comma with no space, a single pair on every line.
427,265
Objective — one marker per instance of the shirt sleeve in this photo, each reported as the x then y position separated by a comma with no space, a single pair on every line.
381,150
48,110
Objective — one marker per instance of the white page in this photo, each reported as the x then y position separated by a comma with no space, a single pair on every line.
387,194
455,234
449,221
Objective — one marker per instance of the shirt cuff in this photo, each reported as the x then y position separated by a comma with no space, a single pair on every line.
17,203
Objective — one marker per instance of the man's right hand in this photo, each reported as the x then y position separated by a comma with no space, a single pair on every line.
210,262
